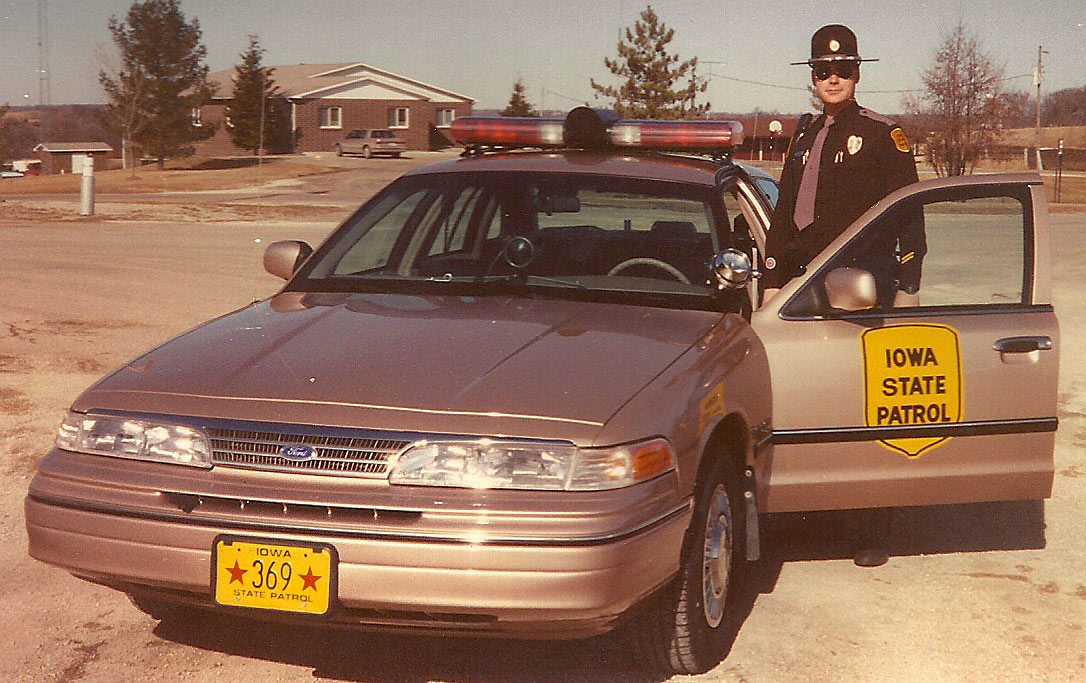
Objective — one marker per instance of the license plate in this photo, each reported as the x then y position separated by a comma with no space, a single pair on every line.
274,575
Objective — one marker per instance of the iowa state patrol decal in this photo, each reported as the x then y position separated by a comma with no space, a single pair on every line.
912,376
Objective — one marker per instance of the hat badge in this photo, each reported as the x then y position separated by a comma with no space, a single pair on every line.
834,45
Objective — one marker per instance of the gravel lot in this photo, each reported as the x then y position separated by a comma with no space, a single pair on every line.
981,592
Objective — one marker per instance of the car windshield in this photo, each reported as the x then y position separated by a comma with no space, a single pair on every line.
633,239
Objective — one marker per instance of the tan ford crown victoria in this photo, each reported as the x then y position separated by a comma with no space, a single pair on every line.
537,394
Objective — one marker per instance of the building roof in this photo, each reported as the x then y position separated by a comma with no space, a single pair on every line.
346,80
73,147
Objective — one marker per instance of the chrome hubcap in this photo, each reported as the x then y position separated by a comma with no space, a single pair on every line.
716,557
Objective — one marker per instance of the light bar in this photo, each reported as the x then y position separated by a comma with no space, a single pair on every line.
586,128
502,131
691,136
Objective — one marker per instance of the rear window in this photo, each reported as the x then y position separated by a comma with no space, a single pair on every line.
383,134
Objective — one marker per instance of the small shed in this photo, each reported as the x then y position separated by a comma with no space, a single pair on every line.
67,157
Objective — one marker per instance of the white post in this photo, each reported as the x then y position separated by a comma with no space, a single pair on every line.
86,197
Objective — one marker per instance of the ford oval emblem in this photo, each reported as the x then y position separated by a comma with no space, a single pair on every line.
296,452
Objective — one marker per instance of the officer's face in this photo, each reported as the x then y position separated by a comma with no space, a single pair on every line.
834,90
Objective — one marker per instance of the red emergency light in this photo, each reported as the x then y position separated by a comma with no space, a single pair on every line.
689,136
504,131
596,129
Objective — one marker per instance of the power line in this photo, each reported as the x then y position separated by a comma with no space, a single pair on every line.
578,100
866,92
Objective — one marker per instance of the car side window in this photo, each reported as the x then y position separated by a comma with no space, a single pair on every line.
978,253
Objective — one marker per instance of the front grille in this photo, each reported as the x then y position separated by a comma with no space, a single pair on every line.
338,455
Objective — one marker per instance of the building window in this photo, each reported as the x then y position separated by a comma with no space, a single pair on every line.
445,117
197,118
331,117
397,117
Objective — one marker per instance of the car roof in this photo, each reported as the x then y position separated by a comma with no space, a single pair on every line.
647,165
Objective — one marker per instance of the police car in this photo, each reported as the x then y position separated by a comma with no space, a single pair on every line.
536,393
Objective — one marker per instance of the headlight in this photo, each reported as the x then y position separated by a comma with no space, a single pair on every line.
487,464
125,437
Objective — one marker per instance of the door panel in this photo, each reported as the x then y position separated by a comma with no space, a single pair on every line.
953,401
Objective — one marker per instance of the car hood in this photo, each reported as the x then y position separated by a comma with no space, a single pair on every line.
489,365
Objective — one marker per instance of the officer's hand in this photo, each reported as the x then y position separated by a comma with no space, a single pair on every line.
768,294
906,300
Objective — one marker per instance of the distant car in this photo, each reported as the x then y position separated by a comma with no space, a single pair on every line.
11,174
371,142
538,394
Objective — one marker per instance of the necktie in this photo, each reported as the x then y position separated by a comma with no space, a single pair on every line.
808,185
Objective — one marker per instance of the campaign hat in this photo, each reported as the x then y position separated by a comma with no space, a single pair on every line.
833,43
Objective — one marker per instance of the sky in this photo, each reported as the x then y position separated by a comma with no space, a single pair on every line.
478,48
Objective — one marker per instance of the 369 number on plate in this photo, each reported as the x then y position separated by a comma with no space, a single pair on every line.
273,575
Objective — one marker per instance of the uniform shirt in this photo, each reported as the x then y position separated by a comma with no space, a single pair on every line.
864,158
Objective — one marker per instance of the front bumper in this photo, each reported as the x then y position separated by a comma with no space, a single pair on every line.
484,582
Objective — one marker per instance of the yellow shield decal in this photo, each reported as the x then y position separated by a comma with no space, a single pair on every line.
912,376
900,141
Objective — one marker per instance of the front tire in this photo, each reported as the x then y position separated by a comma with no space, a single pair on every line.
687,624
367,152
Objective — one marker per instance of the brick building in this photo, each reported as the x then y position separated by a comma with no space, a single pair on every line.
67,157
328,100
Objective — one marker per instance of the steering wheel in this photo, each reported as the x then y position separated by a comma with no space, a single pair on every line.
656,263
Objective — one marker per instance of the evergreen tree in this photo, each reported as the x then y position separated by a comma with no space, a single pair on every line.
256,112
518,103
160,81
653,87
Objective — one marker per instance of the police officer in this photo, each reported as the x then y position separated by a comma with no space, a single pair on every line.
837,166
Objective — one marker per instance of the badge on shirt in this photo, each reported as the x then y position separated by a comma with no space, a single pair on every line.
770,263
855,142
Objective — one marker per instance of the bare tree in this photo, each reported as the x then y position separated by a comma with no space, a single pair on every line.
126,114
1065,107
961,111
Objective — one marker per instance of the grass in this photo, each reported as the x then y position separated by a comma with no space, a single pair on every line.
191,174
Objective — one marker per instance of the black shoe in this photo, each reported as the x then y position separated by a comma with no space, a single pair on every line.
871,557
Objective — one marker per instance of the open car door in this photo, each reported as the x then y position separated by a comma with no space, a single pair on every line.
952,401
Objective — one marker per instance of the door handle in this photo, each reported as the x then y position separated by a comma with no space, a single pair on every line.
1023,344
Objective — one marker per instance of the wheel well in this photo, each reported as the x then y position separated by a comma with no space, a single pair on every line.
728,444
729,441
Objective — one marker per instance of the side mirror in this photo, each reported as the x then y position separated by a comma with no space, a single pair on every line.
282,258
851,289
731,269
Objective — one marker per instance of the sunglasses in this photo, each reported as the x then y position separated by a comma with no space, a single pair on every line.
845,70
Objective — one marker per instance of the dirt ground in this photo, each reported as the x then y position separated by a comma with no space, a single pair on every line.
981,592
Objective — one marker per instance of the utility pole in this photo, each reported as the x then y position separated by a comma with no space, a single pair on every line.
1037,82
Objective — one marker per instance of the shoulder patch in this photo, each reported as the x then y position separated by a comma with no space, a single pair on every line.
900,141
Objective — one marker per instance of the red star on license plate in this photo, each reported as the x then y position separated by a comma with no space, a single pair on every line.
236,572
309,579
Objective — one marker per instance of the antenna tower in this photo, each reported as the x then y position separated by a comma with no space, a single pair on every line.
43,53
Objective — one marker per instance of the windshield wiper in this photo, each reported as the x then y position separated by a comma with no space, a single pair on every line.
529,280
